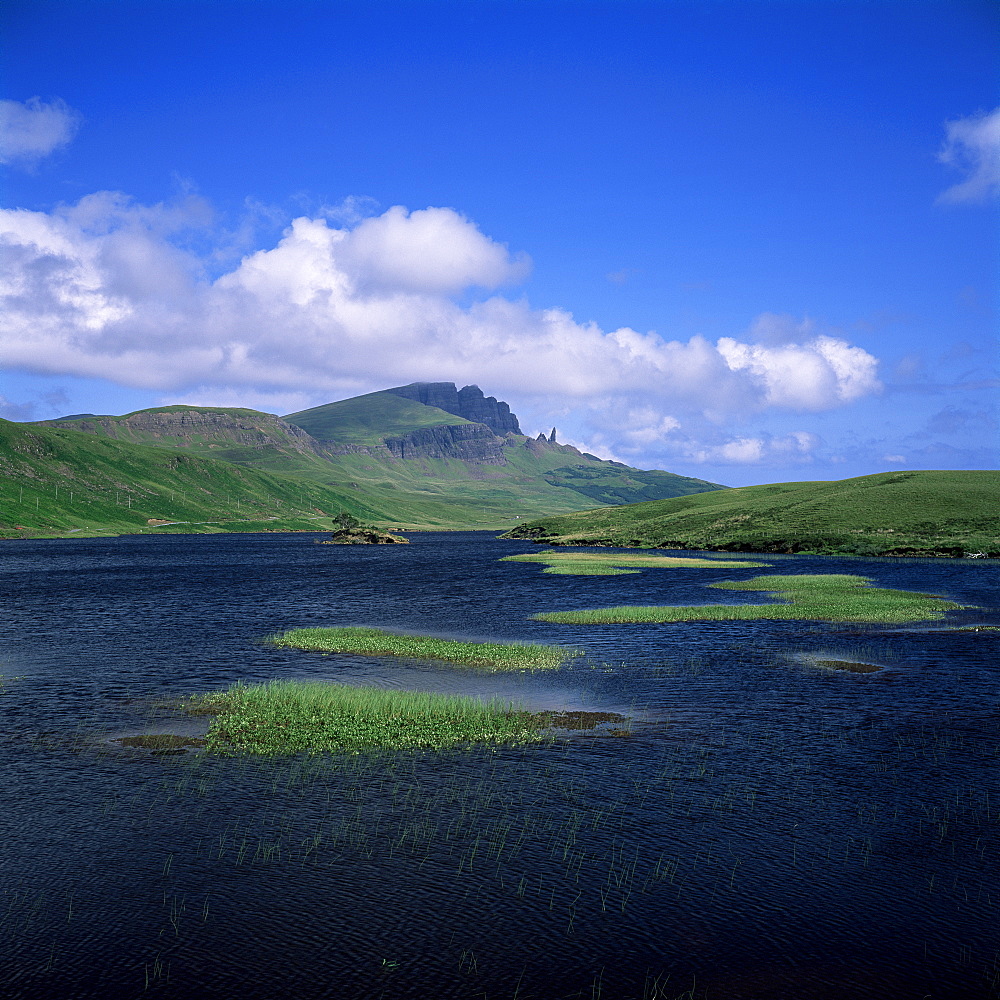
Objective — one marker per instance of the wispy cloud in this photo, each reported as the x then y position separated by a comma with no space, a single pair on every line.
972,146
32,129
46,404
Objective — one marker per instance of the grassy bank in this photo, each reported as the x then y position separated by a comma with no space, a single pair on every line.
894,513
816,597
614,564
376,642
283,717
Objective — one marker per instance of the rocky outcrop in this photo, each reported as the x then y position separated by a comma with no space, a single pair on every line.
202,429
467,442
468,402
364,536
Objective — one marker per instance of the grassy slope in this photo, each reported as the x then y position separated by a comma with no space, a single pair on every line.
892,513
231,434
428,494
54,480
366,420
609,483
539,478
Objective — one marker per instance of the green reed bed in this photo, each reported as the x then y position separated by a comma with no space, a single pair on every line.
283,717
376,642
833,597
620,564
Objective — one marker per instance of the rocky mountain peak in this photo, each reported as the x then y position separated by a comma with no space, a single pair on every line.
468,402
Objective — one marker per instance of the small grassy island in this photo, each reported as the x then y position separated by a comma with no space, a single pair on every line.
284,717
364,536
832,597
614,564
350,531
377,642
318,716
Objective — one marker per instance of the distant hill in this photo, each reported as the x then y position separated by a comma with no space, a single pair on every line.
412,456
892,513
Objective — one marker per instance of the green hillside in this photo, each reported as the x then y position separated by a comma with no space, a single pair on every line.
892,513
396,462
248,437
56,481
369,419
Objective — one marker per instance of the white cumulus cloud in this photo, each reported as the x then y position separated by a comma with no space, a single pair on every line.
103,288
972,145
430,250
814,375
32,129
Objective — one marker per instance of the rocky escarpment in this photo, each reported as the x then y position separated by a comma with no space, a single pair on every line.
474,443
205,429
468,402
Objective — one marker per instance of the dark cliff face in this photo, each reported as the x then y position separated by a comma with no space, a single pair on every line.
468,402
466,442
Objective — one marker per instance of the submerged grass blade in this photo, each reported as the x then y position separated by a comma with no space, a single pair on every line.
376,642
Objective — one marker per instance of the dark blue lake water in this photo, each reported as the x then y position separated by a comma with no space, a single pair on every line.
770,828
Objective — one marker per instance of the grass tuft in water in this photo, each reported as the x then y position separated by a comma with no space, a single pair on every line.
162,741
283,717
831,597
621,563
852,666
376,642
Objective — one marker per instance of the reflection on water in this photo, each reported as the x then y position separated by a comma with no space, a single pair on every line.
772,826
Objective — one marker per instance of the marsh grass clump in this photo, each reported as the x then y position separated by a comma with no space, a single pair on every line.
376,642
620,563
833,597
282,717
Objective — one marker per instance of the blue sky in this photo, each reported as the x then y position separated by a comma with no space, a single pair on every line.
746,241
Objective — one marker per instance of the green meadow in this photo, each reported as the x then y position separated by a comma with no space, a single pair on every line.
833,597
618,564
893,513
376,642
